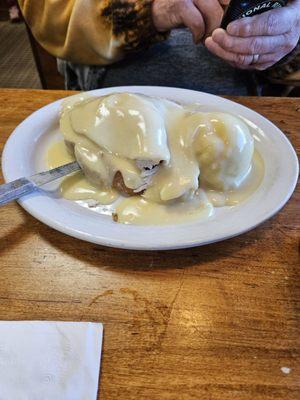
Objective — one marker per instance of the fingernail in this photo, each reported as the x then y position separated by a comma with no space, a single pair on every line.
218,34
207,40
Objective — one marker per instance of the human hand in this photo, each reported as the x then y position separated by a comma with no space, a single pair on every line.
200,16
260,41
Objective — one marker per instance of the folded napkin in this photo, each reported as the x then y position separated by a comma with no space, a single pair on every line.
49,360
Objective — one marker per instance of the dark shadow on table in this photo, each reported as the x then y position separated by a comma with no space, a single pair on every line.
119,259
131,260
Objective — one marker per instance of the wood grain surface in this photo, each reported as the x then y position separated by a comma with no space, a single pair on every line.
214,322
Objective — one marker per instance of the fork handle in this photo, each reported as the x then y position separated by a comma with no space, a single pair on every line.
14,190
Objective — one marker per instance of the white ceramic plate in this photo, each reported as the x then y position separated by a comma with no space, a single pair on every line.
25,151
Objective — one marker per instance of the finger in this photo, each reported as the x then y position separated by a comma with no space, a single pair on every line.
259,67
224,4
253,45
270,58
263,62
212,13
192,19
270,23
240,59
263,67
244,67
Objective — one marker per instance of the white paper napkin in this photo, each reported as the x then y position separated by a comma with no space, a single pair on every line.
49,360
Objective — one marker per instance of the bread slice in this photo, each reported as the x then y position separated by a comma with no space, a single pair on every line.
147,168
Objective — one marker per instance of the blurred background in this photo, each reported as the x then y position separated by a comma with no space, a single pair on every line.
25,64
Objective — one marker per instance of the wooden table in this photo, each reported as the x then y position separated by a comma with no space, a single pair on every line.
214,322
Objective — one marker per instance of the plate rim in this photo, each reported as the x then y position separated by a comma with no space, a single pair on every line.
125,244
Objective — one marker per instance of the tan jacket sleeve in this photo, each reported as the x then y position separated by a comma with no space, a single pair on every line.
94,32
